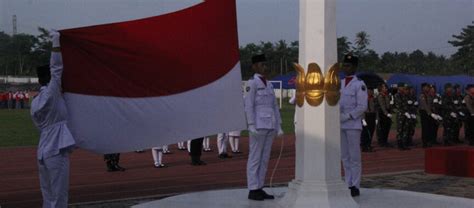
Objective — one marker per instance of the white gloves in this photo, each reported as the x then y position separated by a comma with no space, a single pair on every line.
413,116
376,121
389,115
462,114
453,115
280,132
456,102
439,117
410,102
416,103
435,100
440,102
434,116
252,129
407,115
344,117
391,102
55,38
364,123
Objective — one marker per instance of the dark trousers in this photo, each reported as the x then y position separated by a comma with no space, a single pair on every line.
426,127
469,129
383,128
368,131
196,149
112,159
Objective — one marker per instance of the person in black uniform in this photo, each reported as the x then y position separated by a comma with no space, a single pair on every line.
368,123
112,161
195,152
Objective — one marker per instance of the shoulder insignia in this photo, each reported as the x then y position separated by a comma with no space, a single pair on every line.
363,88
247,89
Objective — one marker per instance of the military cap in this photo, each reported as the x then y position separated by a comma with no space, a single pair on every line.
402,84
424,84
258,58
351,59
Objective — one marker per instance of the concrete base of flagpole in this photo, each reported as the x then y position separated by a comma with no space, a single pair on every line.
322,194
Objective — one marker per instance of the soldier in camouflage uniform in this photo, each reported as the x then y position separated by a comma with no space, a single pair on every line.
435,102
449,115
384,114
403,116
469,123
459,107
412,108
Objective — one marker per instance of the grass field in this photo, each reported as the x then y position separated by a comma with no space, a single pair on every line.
17,129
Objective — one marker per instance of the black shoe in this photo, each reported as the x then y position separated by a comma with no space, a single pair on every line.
198,163
265,195
111,169
160,166
119,168
224,155
255,195
354,191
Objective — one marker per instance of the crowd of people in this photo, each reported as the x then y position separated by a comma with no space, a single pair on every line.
451,110
15,99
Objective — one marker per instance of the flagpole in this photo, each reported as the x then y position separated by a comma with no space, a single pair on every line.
318,181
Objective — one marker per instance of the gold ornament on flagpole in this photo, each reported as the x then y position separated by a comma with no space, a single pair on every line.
314,85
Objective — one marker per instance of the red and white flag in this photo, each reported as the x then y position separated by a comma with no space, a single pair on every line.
154,81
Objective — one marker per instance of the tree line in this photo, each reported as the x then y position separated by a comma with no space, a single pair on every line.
21,53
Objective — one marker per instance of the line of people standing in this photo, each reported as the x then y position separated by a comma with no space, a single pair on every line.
14,100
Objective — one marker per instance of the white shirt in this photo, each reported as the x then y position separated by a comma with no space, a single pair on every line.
49,114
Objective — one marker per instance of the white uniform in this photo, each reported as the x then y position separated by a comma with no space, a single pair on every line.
206,144
234,141
157,153
49,114
353,104
222,139
263,113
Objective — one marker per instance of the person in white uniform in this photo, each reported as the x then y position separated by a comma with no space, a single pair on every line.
353,104
49,114
234,137
264,123
206,146
181,146
157,153
222,139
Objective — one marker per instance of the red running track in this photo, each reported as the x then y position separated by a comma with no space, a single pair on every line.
19,185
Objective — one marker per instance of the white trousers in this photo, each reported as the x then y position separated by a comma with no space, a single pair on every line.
54,180
222,139
205,143
234,143
260,146
351,156
157,154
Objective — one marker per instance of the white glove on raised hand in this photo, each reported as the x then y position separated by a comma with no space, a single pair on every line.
453,115
54,38
413,116
252,129
462,114
407,115
389,115
434,116
280,132
364,123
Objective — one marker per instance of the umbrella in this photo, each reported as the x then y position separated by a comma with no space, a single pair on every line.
370,79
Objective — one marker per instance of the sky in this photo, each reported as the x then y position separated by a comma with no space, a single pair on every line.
393,25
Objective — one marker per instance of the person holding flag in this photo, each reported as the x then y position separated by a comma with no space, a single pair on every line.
50,115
